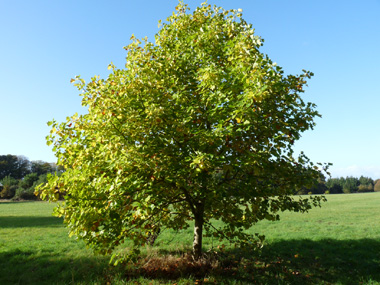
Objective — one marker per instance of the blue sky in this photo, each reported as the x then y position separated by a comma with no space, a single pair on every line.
43,44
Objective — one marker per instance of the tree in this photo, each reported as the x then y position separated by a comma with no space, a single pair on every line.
28,186
198,126
9,187
365,188
351,185
376,187
24,190
335,185
336,189
319,187
366,181
15,166
41,167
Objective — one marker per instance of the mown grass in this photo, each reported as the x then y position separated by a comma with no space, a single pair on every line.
336,244
35,248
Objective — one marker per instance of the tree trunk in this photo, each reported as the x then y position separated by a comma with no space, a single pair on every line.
198,232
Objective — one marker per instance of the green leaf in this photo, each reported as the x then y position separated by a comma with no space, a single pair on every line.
198,126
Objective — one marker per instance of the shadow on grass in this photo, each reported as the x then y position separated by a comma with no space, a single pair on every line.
299,262
33,267
336,261
25,222
283,262
313,262
4,202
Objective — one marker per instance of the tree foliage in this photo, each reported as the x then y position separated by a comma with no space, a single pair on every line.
9,187
14,166
376,187
198,126
42,167
20,176
25,188
350,184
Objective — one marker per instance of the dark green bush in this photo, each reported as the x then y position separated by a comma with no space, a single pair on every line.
336,189
25,194
9,187
27,186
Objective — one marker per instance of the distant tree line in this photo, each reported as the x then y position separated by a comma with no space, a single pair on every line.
19,176
343,185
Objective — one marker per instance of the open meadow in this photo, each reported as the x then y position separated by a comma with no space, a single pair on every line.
336,244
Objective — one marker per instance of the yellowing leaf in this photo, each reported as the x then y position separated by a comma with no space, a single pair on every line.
188,130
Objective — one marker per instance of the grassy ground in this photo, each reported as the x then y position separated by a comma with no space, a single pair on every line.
336,244
35,248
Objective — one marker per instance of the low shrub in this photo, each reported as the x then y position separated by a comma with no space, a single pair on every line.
8,192
28,185
9,187
25,194
347,190
365,188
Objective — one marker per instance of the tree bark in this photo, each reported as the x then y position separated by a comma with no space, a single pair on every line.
198,232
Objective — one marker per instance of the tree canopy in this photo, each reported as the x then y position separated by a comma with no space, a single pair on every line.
199,125
13,165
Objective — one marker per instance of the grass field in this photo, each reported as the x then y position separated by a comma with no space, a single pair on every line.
336,244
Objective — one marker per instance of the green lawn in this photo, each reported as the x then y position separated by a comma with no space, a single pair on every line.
336,244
